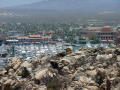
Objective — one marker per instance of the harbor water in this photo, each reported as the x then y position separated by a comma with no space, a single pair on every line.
33,50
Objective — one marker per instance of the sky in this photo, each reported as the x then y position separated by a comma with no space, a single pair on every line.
7,3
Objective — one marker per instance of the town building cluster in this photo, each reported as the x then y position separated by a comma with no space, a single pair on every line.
105,34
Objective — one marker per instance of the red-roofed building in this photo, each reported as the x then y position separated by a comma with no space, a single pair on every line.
29,39
118,38
35,36
107,28
105,34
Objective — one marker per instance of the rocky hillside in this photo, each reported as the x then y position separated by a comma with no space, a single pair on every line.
86,69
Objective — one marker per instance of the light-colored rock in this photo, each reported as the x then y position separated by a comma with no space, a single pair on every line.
104,57
85,89
91,73
66,70
42,87
80,53
9,81
91,67
2,72
16,66
15,60
80,69
70,88
40,74
118,58
100,65
11,72
84,79
65,61
77,57
15,63
92,87
26,64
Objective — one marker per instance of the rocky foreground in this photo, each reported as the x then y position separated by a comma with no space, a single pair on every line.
86,69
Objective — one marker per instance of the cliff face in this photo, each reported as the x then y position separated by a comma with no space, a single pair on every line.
86,69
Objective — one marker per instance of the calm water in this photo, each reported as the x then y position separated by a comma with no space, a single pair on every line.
76,48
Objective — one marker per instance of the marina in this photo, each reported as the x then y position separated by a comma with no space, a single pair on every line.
30,51
27,51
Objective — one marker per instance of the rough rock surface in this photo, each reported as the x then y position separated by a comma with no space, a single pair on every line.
85,69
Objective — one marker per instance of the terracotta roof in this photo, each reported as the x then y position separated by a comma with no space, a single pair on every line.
42,37
107,28
23,37
34,36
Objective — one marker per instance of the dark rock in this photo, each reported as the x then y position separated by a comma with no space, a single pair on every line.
62,54
54,64
23,72
117,51
100,76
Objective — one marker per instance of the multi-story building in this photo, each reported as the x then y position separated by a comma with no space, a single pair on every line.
105,34
117,42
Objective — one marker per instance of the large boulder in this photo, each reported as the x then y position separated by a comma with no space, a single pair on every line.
40,74
23,72
44,75
27,65
100,76
15,63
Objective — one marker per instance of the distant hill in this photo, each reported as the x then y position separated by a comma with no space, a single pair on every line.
82,5
64,11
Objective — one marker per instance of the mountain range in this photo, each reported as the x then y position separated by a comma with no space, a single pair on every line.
83,5
67,9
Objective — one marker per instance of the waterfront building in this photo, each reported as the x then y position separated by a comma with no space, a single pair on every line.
117,42
105,34
29,39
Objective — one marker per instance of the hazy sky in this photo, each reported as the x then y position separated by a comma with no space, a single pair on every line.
6,3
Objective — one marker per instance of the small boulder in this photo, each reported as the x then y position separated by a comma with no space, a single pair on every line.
22,72
15,63
69,49
117,51
65,70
